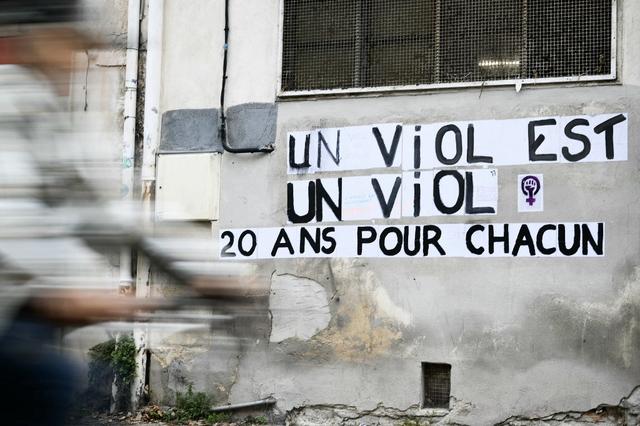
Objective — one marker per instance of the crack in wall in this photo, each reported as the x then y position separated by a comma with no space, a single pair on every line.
626,412
340,414
236,373
273,273
86,82
288,274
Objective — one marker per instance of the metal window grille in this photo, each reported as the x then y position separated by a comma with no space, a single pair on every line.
436,381
351,44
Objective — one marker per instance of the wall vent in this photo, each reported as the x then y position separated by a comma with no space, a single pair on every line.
436,385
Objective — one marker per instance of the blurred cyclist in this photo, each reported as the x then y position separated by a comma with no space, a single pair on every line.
42,192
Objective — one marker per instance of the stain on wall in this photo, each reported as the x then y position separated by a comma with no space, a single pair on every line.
193,357
365,323
362,328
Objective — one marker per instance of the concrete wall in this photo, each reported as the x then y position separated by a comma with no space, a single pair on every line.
524,337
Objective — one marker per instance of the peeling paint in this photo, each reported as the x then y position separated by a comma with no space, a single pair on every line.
187,358
298,306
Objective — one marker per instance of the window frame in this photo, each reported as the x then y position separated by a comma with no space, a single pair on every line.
611,77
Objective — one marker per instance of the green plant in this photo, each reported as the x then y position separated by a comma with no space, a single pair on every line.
109,361
193,405
214,418
119,355
123,359
258,420
100,360
102,351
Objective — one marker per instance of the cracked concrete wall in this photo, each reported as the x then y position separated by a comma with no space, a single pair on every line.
191,355
626,412
525,337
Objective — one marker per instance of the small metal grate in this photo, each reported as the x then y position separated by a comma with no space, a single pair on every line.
341,44
436,381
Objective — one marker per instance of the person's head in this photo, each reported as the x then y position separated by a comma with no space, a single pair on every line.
29,12
42,34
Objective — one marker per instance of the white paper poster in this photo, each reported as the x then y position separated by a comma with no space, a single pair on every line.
391,196
570,139
428,170
450,193
416,241
347,148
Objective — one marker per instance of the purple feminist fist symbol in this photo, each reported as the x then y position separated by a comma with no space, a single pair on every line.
530,186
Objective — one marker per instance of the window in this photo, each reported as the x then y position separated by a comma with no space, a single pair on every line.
436,383
358,44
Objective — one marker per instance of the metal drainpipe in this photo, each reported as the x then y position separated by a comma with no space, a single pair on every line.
223,119
151,136
129,128
128,147
231,407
